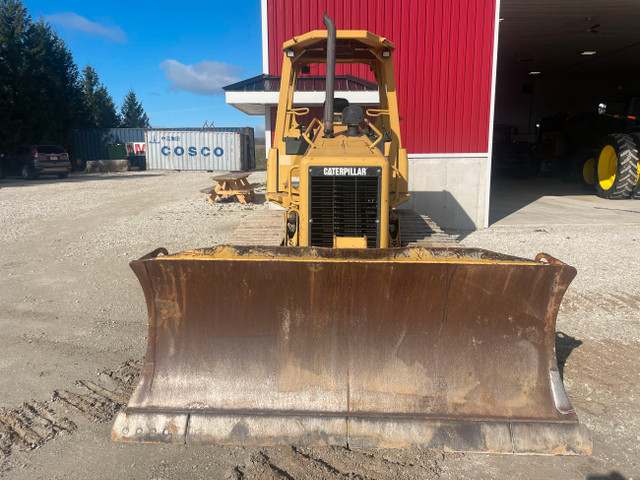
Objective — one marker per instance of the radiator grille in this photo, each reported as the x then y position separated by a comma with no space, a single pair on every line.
346,206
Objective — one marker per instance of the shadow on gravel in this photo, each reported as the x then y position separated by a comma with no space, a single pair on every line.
259,198
610,476
565,344
459,235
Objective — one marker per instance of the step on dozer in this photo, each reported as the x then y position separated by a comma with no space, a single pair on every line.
341,336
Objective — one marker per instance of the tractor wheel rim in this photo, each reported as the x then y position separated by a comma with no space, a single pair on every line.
588,173
607,167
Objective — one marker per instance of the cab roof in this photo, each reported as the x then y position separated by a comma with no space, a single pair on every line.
351,45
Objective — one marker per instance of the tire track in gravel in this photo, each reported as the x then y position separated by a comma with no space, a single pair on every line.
310,463
35,423
30,426
97,403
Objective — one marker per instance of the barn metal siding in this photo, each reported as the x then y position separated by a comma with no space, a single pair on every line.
443,61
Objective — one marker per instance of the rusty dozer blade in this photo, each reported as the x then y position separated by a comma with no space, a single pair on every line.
447,348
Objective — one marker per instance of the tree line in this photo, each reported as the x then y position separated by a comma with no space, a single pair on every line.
43,96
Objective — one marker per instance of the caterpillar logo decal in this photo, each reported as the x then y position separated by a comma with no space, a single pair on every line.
345,171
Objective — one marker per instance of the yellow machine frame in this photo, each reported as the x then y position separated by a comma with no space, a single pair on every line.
288,175
445,348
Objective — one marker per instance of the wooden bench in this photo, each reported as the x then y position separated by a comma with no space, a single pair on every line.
231,184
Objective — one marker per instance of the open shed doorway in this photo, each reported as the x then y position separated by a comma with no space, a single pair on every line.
557,62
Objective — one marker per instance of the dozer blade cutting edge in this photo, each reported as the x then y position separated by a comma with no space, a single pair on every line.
447,348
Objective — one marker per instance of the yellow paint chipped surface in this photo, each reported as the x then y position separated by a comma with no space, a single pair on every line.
416,255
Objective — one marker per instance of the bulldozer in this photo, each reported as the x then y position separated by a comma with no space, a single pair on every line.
341,335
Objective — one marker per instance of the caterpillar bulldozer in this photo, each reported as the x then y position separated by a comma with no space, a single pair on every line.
340,336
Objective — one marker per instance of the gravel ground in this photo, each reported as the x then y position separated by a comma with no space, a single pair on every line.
71,309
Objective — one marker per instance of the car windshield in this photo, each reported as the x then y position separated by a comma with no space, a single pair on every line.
51,149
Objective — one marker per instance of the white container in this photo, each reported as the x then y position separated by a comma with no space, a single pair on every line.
195,150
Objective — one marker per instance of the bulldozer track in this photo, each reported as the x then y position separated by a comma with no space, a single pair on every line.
98,403
30,426
92,406
421,230
34,423
266,228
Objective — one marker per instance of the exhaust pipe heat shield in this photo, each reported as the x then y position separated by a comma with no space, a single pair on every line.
448,348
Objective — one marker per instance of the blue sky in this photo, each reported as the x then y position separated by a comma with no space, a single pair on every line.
175,55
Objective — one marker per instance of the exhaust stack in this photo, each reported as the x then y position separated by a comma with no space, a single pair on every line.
330,77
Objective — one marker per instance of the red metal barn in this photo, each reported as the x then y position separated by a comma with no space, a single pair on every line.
445,68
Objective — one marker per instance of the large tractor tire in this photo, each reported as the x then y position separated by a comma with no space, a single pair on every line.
583,168
617,167
636,190
589,177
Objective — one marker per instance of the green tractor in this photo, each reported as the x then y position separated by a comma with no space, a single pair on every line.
600,149
615,170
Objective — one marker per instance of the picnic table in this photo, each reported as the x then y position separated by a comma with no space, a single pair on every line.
231,184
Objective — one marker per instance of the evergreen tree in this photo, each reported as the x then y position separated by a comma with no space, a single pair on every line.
100,110
53,94
14,20
40,96
131,113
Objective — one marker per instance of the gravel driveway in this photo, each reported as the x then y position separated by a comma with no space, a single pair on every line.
71,310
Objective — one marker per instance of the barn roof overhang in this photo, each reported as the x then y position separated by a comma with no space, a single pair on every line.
253,95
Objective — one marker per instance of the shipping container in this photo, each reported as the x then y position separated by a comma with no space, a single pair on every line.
248,159
135,148
199,149
117,151
93,143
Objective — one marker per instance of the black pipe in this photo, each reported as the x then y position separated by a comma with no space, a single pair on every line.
331,75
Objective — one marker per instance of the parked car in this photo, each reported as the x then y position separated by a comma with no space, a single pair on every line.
31,161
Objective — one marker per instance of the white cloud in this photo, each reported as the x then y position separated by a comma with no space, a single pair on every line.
260,130
204,78
82,24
